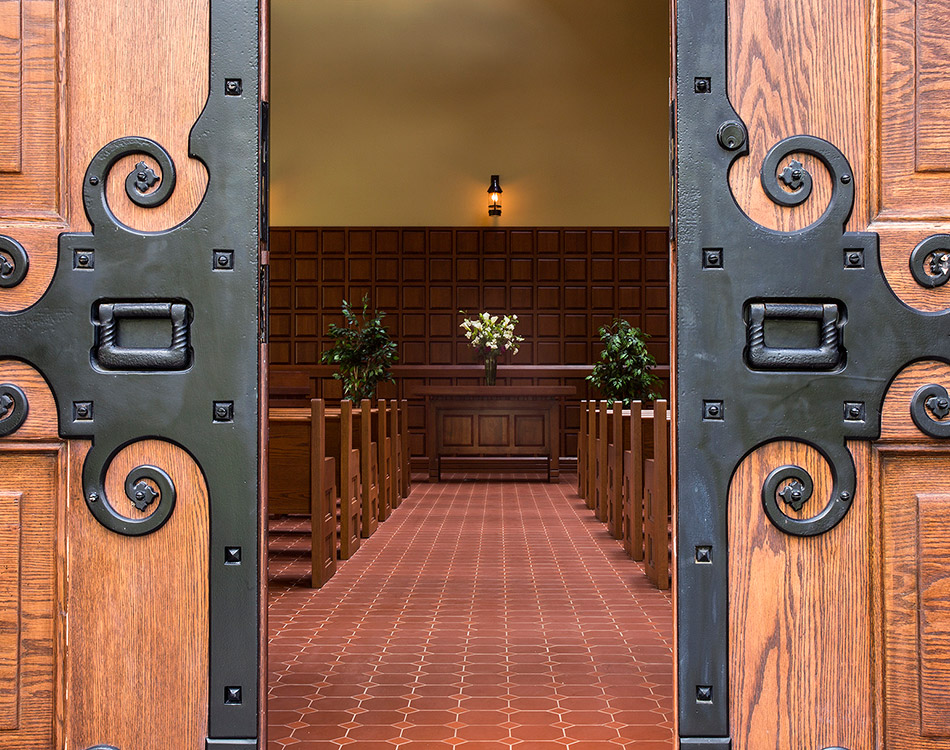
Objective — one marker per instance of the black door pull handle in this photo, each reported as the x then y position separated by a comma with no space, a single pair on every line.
827,355
110,355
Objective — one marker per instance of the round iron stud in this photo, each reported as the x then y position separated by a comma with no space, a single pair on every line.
14,406
14,262
930,261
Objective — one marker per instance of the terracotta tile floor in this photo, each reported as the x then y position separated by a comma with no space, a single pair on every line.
482,614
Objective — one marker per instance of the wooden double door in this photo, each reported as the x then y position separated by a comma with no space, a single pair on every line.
130,325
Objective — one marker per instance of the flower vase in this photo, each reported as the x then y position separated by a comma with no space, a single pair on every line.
491,368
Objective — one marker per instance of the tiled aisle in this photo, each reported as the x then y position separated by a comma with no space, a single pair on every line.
483,615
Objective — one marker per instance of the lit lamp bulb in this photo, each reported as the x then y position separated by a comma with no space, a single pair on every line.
494,196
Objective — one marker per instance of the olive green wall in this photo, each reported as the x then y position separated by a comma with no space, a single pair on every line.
396,112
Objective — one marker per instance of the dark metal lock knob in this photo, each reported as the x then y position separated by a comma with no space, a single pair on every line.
731,135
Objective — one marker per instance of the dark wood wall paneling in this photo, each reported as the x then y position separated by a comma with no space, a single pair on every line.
562,283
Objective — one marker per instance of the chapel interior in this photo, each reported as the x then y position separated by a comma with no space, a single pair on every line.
426,591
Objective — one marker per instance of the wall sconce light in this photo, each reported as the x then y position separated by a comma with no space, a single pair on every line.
494,205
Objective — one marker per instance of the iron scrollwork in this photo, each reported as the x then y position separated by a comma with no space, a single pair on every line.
734,278
109,277
929,405
141,494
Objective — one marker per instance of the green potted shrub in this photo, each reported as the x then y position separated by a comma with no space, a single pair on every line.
623,372
363,350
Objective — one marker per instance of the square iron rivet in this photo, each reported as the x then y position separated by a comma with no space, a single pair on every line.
704,693
712,411
232,695
233,87
854,257
84,260
223,260
712,257
702,85
232,555
82,411
223,411
704,554
854,411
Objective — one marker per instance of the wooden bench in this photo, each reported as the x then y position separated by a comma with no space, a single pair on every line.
369,468
627,480
591,465
302,480
656,503
632,521
582,451
387,485
395,446
342,444
616,445
404,448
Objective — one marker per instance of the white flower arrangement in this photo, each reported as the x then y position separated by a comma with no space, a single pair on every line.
490,334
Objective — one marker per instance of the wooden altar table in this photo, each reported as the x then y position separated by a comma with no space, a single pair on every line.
509,421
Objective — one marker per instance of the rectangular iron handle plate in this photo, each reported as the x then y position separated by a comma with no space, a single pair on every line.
826,356
109,355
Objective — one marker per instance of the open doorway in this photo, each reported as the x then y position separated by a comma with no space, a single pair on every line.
388,120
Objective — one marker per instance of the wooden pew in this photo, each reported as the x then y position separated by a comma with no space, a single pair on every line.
404,447
289,388
600,459
395,446
632,531
369,470
343,445
384,453
615,451
582,451
656,481
591,483
302,480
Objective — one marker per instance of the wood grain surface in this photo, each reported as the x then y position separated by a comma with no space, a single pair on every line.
896,424
11,534
912,142
137,662
33,475
909,151
33,175
799,631
31,607
914,623
138,613
136,69
800,67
